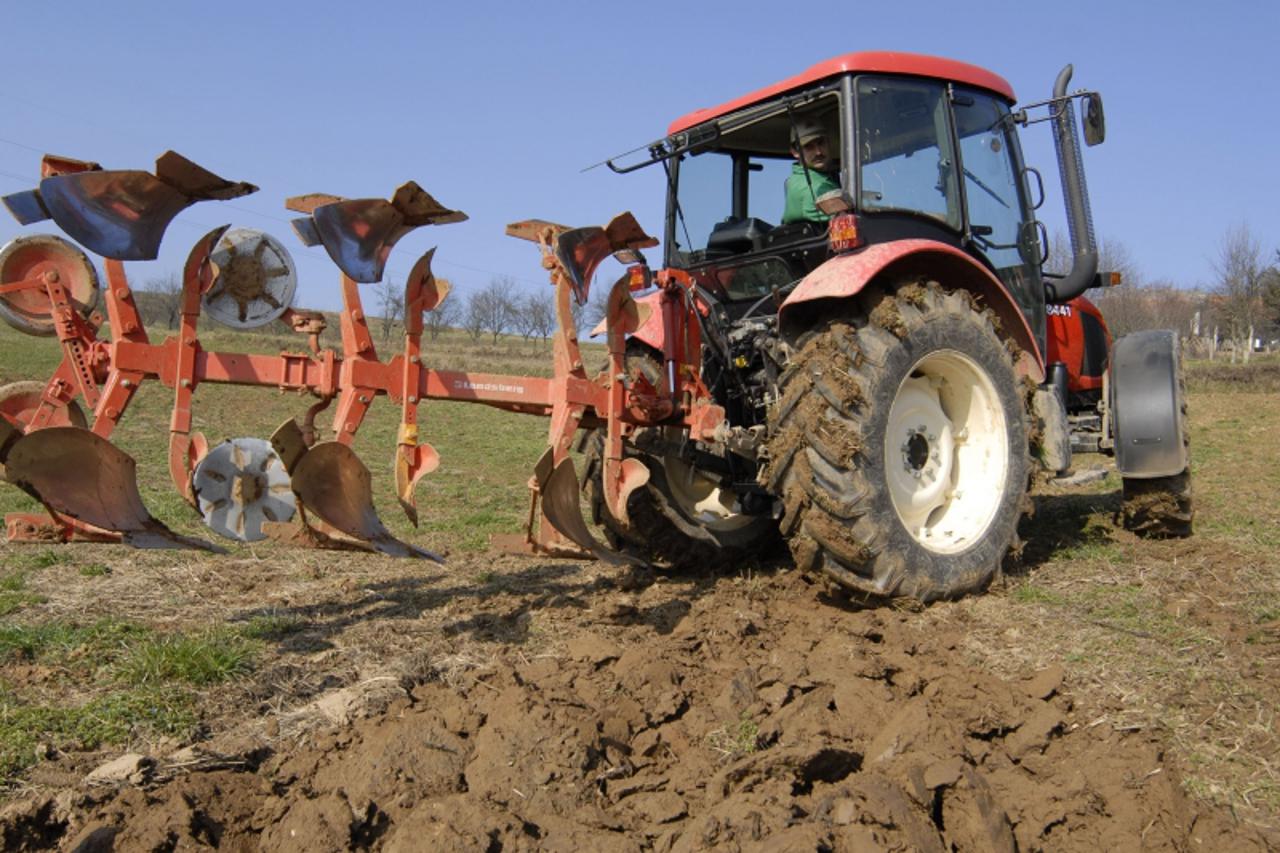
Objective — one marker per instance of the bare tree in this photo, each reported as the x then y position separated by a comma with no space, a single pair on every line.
492,307
448,313
1113,256
521,318
540,313
489,310
1134,304
165,299
1241,272
390,300
473,315
598,307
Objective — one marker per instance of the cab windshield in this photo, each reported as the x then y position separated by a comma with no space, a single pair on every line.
732,193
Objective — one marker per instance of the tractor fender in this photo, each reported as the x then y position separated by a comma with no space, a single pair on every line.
1147,420
845,276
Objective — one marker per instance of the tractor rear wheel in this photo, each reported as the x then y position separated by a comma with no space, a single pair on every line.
683,517
899,448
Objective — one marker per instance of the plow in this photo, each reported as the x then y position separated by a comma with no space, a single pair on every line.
306,484
857,366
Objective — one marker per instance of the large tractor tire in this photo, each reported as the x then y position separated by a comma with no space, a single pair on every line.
899,448
681,517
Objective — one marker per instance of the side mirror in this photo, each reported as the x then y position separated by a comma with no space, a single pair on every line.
1095,121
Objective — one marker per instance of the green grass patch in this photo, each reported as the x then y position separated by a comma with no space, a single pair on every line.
86,647
1029,593
145,683
736,739
94,570
200,659
14,594
114,718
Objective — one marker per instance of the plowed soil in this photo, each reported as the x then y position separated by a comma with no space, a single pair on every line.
508,704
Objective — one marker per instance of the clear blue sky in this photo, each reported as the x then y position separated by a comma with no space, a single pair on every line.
495,108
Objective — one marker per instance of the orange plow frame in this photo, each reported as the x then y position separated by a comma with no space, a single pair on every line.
330,480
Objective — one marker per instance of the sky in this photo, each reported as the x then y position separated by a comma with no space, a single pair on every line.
496,109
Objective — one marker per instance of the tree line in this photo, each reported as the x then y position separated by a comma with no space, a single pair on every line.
500,308
1236,313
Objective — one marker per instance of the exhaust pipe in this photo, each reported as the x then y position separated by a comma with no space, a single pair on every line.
1084,247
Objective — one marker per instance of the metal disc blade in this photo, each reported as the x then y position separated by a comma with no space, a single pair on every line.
332,482
256,280
240,485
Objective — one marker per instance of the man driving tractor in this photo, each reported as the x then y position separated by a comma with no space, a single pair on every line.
814,173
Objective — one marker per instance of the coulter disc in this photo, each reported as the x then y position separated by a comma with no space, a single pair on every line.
239,485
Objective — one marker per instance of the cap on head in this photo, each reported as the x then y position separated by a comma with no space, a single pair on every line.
805,130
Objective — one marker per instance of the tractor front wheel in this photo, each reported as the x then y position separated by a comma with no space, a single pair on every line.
899,448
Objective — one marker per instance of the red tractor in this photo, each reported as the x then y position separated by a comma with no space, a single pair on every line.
882,360
844,348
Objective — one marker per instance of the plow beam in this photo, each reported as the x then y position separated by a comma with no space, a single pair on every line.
76,473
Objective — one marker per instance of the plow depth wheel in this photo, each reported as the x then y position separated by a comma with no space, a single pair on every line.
899,449
19,400
32,258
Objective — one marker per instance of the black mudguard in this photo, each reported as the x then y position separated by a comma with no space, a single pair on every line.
1147,416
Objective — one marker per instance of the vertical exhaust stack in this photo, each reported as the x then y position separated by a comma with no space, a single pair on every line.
1084,247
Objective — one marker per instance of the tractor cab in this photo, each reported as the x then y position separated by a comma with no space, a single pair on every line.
919,148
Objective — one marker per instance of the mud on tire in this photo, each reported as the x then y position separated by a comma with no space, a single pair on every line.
1158,508
899,448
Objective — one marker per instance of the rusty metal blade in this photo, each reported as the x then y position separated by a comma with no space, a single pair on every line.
580,252
332,482
80,474
631,474
561,507
412,464
116,214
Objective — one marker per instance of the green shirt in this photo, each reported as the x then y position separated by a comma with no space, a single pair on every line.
800,201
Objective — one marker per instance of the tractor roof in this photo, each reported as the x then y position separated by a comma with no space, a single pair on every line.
877,62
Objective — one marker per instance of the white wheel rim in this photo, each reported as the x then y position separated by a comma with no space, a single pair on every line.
946,452
702,499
